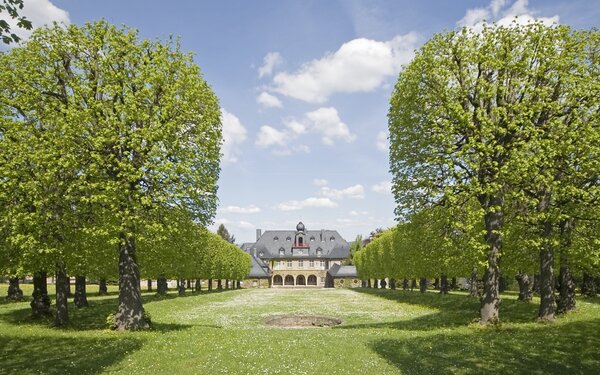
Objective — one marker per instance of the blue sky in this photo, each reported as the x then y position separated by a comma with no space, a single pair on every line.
304,88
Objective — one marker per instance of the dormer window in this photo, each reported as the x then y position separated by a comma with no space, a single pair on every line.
261,253
288,239
332,238
281,251
275,238
319,251
312,239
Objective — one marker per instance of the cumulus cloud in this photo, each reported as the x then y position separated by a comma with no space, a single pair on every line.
251,209
270,62
382,142
291,150
40,13
269,136
295,126
384,187
234,224
327,122
502,13
268,101
360,65
295,205
356,192
234,134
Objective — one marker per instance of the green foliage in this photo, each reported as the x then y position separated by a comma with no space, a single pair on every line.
12,8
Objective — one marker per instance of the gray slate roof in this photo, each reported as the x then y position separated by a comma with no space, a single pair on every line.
329,242
342,271
258,268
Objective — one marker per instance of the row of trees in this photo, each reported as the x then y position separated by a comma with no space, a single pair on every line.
109,157
499,128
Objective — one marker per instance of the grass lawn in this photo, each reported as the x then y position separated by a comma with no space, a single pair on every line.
383,332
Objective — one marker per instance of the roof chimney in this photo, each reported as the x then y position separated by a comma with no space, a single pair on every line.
258,234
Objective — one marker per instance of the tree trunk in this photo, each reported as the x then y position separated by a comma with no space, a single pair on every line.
393,284
453,284
102,289
525,292
239,284
62,289
130,312
40,305
369,283
363,283
68,282
413,284
566,300
161,286
220,284
436,283
80,292
189,284
375,283
423,284
210,285
547,301
473,287
198,285
181,287
404,284
226,284
444,285
14,292
490,302
149,284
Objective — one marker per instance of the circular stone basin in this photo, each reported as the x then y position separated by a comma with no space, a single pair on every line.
302,321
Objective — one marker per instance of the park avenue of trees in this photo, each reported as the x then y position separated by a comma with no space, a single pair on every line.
495,155
109,162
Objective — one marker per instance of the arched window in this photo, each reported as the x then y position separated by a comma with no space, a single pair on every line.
288,239
332,238
289,280
277,280
300,280
312,280
312,239
275,238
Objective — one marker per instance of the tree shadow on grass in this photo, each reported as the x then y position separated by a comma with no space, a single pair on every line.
92,317
450,310
63,355
570,348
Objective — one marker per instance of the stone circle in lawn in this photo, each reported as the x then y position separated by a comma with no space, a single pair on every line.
302,321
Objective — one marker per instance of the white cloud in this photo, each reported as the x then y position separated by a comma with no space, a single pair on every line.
270,62
356,191
268,101
384,187
290,150
234,134
295,126
503,14
327,122
252,209
382,142
234,224
294,205
320,182
268,136
358,213
360,65
40,13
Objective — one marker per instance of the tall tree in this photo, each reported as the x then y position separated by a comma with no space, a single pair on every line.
461,116
224,234
147,122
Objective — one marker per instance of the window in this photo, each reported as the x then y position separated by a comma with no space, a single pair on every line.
322,264
300,263
289,264
331,238
322,280
275,238
299,252
281,251
319,251
312,239
261,253
288,239
281,262
311,263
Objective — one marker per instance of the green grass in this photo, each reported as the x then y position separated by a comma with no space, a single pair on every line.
383,332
